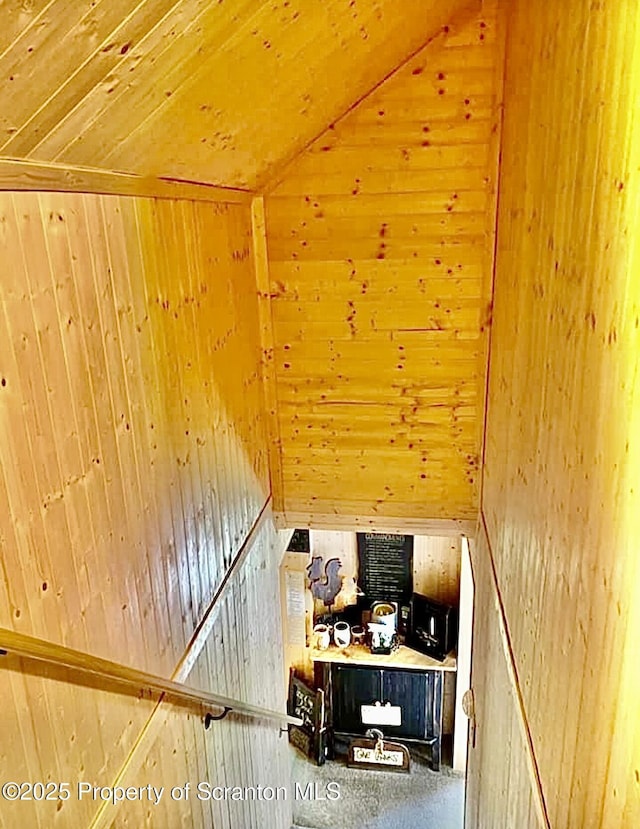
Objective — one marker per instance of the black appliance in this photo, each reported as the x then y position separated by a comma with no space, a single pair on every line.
432,628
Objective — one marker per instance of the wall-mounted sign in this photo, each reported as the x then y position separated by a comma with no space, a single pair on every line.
385,566
299,542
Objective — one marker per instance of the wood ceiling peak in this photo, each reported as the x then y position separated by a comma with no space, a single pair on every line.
222,93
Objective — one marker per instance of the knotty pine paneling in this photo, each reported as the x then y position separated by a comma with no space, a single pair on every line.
192,89
132,458
380,240
500,787
563,437
241,653
436,567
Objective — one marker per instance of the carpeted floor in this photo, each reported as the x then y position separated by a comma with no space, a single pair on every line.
422,799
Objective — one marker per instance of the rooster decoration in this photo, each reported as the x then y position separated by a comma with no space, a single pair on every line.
325,582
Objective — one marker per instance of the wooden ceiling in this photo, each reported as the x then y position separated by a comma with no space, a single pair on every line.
223,92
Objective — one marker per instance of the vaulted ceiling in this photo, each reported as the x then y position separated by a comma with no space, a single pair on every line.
222,92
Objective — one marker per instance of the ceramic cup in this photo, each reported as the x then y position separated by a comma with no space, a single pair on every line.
357,635
342,634
322,637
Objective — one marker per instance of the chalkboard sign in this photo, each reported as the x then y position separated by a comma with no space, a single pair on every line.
385,571
299,542
307,704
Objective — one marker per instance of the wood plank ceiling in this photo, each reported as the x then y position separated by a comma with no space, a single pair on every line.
220,92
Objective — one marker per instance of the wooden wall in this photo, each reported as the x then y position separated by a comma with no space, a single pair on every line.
221,92
132,468
563,436
380,240
500,791
242,658
436,564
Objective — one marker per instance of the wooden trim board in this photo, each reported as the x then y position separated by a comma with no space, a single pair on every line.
405,658
261,265
505,638
17,174
491,230
356,523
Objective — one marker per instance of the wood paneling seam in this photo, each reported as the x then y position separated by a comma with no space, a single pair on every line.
270,386
512,670
502,17
203,630
101,48
32,23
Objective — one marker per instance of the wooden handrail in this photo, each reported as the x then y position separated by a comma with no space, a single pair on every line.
29,647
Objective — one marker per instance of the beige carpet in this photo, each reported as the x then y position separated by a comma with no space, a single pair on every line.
422,799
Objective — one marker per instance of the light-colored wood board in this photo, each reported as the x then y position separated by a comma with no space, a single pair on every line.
450,251
379,513
84,38
17,174
291,280
411,136
133,46
317,229
107,672
443,112
393,159
404,657
372,182
399,204
261,264
362,320
222,750
436,568
397,524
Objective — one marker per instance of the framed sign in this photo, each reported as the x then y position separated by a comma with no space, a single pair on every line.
385,567
299,542
307,704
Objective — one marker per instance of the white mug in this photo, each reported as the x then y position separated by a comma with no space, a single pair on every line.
322,637
342,634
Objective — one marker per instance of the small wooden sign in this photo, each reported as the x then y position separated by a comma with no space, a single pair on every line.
377,754
307,704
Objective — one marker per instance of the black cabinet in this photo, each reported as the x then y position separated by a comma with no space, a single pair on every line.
413,692
352,688
418,693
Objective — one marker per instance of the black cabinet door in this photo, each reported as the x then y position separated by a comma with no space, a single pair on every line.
413,692
353,687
